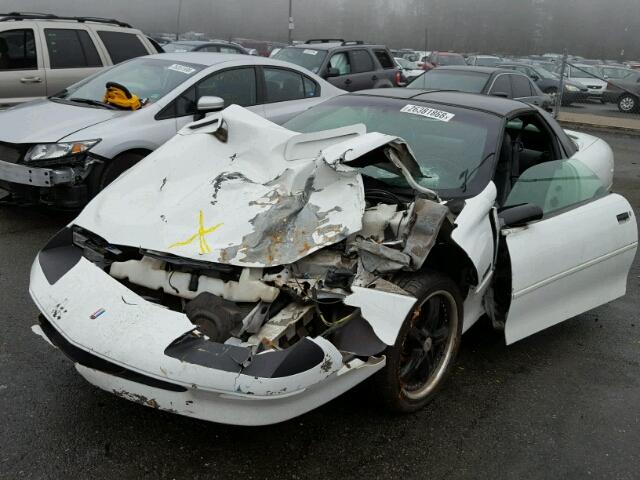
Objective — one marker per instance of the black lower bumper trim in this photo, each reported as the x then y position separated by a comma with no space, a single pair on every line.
89,360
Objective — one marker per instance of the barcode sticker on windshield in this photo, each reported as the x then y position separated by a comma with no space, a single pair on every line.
428,112
182,69
310,52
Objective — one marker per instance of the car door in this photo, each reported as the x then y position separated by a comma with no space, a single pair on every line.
501,86
70,56
22,73
237,85
523,90
341,62
576,257
363,70
287,93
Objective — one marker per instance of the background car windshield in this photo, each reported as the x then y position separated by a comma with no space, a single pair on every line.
177,47
544,73
586,72
487,61
463,81
147,78
404,63
450,60
309,58
455,156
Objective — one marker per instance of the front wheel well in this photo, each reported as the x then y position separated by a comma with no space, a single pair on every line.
451,260
134,151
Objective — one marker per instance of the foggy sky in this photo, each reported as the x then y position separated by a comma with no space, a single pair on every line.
599,28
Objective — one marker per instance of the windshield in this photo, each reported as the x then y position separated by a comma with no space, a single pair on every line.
454,147
442,79
308,58
586,71
148,78
177,47
404,63
488,61
544,73
446,60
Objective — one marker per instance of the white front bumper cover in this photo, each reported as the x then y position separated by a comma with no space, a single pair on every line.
133,336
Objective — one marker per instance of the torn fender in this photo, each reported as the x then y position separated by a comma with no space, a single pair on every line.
473,232
385,311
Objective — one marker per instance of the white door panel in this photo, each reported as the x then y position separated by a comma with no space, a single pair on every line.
569,263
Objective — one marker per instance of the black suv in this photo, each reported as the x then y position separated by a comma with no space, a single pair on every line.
350,65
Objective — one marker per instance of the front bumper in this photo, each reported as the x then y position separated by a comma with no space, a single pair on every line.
64,186
126,351
37,177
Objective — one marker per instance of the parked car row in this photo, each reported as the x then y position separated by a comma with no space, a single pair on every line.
41,54
277,240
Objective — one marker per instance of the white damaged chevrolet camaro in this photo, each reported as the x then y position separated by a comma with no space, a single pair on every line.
246,273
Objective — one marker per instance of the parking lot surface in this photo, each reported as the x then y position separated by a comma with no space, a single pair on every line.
561,404
593,107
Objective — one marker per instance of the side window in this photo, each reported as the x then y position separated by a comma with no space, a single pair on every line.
228,50
185,104
311,88
236,86
210,48
556,185
361,61
18,50
122,46
384,59
501,85
71,48
182,106
521,86
340,61
283,85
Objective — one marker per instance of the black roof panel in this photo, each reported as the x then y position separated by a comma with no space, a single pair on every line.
496,105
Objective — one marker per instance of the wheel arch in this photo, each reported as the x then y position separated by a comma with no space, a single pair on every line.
448,258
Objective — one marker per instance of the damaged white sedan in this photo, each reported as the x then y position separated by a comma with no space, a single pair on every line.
246,273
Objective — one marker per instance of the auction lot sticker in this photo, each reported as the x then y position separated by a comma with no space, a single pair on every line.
182,69
428,112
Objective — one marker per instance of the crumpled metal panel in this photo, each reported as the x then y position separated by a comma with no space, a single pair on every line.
239,202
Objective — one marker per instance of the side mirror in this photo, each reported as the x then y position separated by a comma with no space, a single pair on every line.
332,72
535,77
519,215
210,104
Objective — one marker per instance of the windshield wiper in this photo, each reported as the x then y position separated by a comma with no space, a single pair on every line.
90,101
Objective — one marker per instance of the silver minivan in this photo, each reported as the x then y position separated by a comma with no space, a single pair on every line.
42,54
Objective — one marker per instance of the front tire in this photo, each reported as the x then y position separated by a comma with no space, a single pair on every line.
106,173
427,344
628,103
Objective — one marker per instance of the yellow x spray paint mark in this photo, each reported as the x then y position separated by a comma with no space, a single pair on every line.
200,235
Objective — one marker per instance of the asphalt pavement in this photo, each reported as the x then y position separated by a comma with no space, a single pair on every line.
564,403
594,107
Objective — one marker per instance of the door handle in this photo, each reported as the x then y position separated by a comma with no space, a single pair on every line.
374,78
347,82
30,80
623,217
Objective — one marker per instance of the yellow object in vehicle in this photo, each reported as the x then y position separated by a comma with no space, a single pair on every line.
120,96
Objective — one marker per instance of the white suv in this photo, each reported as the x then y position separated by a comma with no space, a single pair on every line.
42,54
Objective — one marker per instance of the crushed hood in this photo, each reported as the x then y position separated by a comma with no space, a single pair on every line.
45,121
240,190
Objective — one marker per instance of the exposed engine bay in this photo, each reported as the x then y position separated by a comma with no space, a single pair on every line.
273,307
